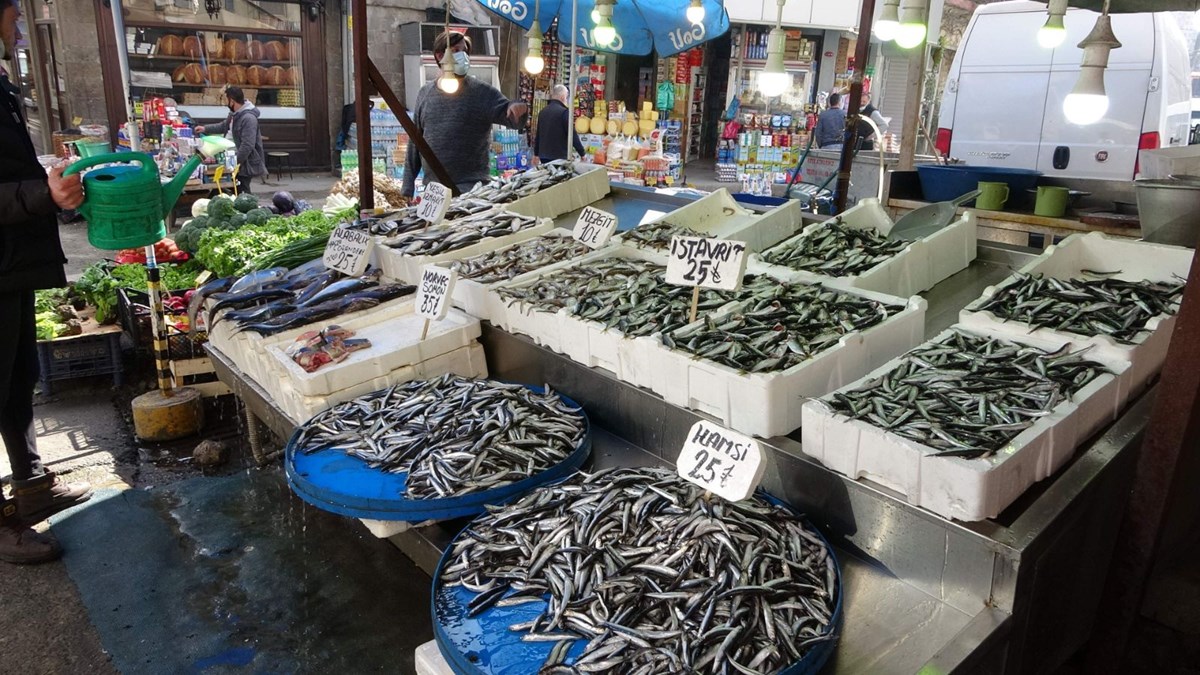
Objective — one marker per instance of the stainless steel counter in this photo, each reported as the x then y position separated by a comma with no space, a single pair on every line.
1013,594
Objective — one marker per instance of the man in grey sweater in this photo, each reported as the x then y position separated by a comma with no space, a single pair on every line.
243,122
458,126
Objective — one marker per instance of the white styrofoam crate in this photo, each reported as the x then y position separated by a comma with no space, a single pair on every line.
589,186
395,342
477,299
918,267
1137,261
954,487
768,404
396,266
468,361
429,660
719,215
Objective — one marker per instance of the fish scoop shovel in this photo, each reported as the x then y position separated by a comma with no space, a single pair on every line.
928,219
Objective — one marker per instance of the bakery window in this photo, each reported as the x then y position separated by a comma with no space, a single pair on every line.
179,50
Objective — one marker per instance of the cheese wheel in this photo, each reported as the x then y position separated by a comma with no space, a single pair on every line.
216,74
254,50
614,127
276,51
581,125
170,45
629,128
192,47
235,75
256,76
598,125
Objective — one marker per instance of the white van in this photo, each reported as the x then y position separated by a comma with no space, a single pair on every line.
1003,100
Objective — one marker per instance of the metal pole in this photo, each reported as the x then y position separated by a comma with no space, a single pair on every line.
861,50
158,326
362,115
571,70
131,129
912,108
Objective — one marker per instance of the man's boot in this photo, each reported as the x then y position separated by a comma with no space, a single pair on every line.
19,544
41,497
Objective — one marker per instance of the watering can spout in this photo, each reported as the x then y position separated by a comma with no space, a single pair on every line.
173,188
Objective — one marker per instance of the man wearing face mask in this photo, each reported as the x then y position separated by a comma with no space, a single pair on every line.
243,121
458,126
31,258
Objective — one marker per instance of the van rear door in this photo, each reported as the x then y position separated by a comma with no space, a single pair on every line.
1001,91
1107,149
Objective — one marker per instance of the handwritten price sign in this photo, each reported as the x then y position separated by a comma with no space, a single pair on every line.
706,263
433,292
594,227
348,251
434,202
721,461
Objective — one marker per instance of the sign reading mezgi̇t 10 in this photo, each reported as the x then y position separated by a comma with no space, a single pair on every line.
721,461
706,263
594,227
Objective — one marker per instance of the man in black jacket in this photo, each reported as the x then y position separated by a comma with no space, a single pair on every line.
550,143
31,258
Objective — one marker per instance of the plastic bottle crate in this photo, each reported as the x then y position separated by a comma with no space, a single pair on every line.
80,356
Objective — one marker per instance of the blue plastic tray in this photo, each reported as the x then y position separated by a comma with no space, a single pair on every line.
943,183
483,644
334,481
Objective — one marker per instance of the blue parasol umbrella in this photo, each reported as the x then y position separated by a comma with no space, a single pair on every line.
642,26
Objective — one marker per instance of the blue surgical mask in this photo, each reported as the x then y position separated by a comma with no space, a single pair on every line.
462,61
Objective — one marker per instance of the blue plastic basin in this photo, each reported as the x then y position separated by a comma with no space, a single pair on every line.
943,183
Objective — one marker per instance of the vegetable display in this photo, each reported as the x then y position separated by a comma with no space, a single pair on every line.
99,283
54,315
228,253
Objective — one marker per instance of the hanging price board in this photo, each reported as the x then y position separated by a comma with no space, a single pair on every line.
706,263
433,292
434,202
594,227
348,250
721,461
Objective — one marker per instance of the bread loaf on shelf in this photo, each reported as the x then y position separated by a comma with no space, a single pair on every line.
191,73
216,47
192,47
277,51
235,50
235,74
276,76
256,76
216,74
170,45
293,76
254,50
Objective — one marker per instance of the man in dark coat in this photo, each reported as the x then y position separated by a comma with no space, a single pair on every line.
31,258
552,126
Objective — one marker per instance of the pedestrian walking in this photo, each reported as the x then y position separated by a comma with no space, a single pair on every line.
243,122
553,125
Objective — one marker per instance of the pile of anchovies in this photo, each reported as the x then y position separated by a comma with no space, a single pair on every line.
835,250
461,233
483,197
1100,306
657,236
453,435
632,296
516,260
968,396
656,577
778,327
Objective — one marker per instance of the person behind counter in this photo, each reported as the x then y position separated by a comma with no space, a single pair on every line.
865,132
553,125
830,131
243,122
458,126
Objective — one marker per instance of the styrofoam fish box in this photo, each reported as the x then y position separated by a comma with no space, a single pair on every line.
921,265
477,299
429,660
1136,260
589,186
719,215
953,487
468,361
395,342
396,266
768,404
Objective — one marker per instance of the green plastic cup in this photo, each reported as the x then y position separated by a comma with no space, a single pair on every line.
992,196
1051,201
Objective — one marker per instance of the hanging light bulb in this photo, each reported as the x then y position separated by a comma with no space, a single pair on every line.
889,21
448,82
1088,102
534,63
1054,32
695,11
774,77
912,29
604,32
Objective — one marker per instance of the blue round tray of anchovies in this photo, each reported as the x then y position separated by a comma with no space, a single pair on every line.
330,479
483,644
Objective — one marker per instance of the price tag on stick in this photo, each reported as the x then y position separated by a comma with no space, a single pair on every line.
594,227
433,294
348,250
706,263
434,202
721,461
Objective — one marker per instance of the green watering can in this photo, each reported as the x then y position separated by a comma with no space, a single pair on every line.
125,205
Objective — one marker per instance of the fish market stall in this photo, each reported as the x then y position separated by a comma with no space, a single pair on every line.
918,586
